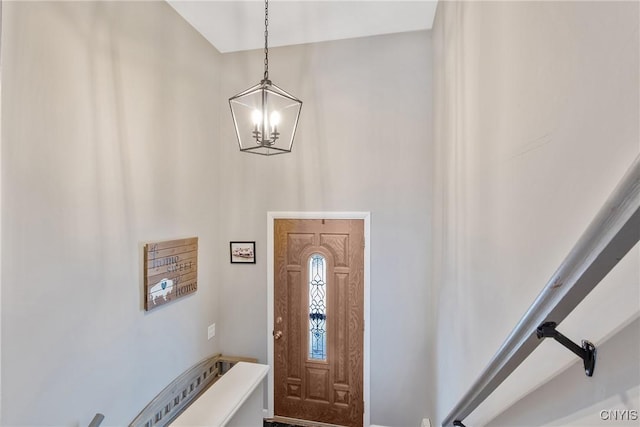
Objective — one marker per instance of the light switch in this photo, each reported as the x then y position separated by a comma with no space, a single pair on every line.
211,331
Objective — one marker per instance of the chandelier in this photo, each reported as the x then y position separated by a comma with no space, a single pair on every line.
265,116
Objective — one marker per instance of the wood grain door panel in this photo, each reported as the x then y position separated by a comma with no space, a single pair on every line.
330,390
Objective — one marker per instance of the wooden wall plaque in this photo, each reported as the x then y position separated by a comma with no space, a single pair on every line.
170,271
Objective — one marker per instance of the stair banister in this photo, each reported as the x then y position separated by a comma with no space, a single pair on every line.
612,233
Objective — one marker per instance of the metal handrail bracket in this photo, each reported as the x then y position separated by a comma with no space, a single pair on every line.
611,234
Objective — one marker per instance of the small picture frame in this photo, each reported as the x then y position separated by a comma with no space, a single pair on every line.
242,252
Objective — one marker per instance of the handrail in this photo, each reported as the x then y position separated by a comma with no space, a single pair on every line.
236,399
97,420
184,390
611,234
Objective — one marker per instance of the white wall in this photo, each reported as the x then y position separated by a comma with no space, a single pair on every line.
116,131
0,209
536,120
364,144
109,139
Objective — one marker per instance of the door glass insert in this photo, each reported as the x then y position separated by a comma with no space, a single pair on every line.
317,307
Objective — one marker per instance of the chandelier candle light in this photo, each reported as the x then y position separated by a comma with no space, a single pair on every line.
265,117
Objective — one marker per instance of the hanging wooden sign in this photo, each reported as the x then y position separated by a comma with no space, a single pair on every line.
170,271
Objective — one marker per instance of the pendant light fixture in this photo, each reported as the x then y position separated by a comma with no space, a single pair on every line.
265,117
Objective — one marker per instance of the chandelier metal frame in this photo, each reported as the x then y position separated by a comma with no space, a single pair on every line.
265,102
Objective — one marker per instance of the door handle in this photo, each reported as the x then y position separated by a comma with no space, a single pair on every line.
277,335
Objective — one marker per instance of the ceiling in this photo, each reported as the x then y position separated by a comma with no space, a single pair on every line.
238,25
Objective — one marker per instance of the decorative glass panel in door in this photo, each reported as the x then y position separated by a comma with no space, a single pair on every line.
317,307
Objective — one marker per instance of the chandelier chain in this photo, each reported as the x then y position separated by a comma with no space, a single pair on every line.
266,37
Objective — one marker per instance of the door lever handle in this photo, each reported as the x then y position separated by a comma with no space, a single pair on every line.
277,335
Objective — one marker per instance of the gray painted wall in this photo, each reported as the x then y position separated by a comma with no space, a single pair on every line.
364,144
116,131
536,120
109,133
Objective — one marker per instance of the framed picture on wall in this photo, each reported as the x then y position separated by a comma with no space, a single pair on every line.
242,252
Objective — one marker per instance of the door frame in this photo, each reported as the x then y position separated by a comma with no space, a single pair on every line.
366,216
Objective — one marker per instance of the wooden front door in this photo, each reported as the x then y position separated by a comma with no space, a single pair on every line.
319,320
